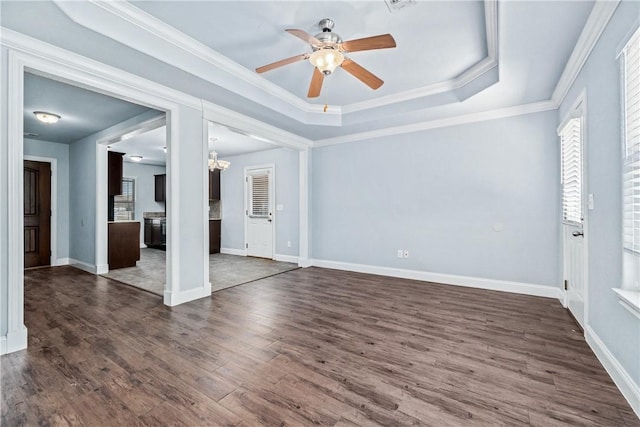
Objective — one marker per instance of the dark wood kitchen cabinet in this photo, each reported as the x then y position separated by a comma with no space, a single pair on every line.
161,187
214,236
114,169
123,244
214,184
155,232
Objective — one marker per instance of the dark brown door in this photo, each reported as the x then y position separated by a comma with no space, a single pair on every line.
37,214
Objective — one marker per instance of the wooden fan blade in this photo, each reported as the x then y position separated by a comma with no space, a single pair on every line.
362,74
304,36
282,62
316,84
383,41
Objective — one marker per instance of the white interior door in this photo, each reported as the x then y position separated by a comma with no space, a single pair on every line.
259,213
574,247
574,270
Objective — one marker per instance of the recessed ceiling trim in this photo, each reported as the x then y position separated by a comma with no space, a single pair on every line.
517,110
475,71
156,38
235,77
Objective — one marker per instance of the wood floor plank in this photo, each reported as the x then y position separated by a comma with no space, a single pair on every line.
307,347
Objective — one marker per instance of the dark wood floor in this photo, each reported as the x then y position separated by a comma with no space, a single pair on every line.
306,347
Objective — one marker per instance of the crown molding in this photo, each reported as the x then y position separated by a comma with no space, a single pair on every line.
160,40
598,19
517,110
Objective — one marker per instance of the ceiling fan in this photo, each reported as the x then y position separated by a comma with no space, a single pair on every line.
328,53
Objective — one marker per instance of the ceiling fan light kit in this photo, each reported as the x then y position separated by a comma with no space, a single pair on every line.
328,54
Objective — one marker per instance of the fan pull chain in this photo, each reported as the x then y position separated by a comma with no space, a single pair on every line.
326,104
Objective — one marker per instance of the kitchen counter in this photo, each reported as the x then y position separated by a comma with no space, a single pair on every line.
153,215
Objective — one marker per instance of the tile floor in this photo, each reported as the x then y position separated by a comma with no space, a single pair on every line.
225,270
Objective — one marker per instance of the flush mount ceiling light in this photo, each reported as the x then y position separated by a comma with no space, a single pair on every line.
48,118
135,158
214,163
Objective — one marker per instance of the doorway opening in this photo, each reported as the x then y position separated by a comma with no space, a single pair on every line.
246,241
572,132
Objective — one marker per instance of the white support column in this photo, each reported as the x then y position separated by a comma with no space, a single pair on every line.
304,173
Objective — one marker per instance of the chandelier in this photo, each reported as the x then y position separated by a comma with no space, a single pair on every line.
214,163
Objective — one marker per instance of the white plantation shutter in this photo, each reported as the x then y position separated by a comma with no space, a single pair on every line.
571,157
259,194
631,165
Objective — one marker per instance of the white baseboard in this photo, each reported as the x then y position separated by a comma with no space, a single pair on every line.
447,279
286,258
14,341
89,268
629,389
229,251
305,262
175,298
59,262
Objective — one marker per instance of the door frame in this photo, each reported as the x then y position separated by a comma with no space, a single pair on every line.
272,193
53,227
70,68
102,176
578,109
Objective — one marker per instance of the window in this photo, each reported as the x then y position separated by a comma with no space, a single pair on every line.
571,174
258,194
631,164
124,204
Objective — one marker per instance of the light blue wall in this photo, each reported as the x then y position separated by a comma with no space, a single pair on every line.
60,152
617,328
287,194
145,190
82,200
439,194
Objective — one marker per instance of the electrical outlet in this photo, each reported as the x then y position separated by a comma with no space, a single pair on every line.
288,243
399,253
405,254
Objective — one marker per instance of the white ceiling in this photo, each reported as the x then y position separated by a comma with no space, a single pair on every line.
83,112
436,40
150,145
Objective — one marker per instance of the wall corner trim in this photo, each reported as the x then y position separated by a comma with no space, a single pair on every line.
176,298
14,341
231,251
446,279
629,389
81,265
286,258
